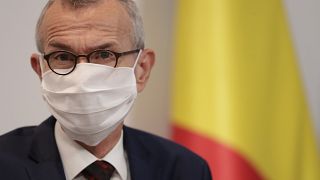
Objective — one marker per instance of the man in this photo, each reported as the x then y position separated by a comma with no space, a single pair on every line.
92,65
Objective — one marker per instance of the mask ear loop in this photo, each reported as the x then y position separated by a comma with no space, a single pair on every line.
137,59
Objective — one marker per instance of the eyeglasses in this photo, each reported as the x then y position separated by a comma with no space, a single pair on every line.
64,62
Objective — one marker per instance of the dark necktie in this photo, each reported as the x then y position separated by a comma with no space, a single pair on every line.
98,170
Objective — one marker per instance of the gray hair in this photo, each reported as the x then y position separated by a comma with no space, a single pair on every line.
129,5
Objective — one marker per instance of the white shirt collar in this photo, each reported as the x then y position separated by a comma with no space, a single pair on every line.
75,158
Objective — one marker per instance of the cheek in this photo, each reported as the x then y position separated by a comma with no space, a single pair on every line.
44,66
125,61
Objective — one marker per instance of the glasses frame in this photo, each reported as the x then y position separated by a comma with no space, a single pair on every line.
87,56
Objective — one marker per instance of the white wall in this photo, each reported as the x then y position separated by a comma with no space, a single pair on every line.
304,18
21,103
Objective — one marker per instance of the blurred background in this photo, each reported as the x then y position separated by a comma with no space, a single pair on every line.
21,102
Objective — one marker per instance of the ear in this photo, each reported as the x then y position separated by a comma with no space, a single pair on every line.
143,68
35,64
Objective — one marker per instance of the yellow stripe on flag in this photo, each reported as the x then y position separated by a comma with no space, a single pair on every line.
236,81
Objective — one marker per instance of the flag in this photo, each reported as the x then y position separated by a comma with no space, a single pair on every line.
237,98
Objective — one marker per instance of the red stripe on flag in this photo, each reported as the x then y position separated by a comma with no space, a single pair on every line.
225,163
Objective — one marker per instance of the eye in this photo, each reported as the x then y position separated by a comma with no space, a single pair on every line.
105,54
101,55
63,56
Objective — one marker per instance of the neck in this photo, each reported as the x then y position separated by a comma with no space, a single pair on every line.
105,146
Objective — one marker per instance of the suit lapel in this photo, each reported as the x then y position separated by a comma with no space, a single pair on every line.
45,154
141,161
144,163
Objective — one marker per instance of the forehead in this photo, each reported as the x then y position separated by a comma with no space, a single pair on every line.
106,18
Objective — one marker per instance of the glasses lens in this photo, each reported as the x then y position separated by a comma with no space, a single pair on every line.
103,57
62,62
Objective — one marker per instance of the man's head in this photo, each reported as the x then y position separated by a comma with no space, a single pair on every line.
131,8
81,26
91,100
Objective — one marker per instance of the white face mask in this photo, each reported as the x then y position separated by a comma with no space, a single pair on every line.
92,101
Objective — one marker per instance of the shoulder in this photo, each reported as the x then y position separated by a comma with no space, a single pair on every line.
17,140
11,168
157,143
178,159
20,141
14,151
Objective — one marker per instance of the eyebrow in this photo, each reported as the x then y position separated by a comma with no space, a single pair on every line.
67,47
58,45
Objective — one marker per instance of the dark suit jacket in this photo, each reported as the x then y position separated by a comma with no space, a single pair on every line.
32,153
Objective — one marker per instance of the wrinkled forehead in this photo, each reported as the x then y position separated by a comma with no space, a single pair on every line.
108,13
